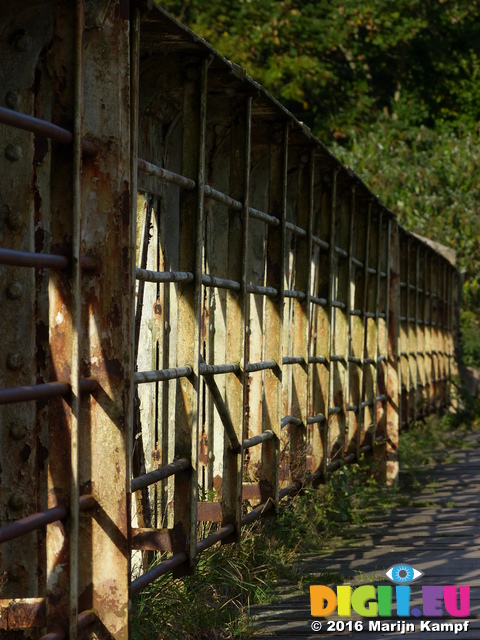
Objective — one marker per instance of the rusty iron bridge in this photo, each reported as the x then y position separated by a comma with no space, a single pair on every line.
202,310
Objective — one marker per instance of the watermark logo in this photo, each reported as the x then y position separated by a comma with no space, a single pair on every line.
403,574
369,601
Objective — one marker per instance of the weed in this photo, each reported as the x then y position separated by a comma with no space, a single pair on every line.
215,601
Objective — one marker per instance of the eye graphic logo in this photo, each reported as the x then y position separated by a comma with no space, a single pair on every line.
403,574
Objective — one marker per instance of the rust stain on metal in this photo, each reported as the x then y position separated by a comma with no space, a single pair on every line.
22,613
264,182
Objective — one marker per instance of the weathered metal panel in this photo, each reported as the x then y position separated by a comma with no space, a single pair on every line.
188,399
393,420
24,199
218,282
106,318
273,336
236,309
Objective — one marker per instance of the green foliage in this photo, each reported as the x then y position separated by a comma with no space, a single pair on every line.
470,333
429,179
339,64
214,602
396,83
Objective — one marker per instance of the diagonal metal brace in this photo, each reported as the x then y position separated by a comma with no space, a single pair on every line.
223,412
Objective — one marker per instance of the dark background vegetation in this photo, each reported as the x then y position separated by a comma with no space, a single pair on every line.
393,88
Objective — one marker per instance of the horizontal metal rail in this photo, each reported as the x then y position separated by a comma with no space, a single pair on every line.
322,302
165,175
163,276
212,193
293,360
34,392
30,259
290,420
215,369
212,539
44,391
260,366
341,252
316,419
262,291
43,128
257,512
321,243
254,440
141,377
264,217
160,474
178,559
295,229
41,519
290,293
163,568
17,258
220,283
317,360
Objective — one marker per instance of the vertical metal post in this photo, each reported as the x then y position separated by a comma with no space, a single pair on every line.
350,416
416,332
453,330
237,313
105,349
188,407
393,372
361,376
435,328
273,345
130,361
444,331
427,324
371,332
75,306
377,419
338,367
412,378
25,203
320,324
332,437
301,316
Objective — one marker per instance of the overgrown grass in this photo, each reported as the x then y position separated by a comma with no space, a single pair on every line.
214,602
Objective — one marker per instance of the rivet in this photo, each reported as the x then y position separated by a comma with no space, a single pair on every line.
17,432
15,290
23,42
15,361
192,73
13,152
14,222
16,502
277,137
11,99
17,573
304,158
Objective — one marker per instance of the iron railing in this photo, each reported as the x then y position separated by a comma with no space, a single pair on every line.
200,300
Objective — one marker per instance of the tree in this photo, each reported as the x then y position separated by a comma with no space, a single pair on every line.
337,65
